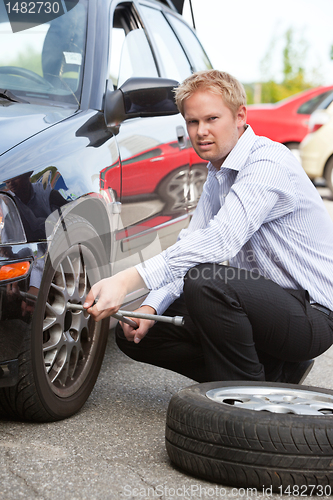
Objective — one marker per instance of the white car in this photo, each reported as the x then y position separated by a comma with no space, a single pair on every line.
316,149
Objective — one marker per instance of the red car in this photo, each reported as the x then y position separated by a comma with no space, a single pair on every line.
286,121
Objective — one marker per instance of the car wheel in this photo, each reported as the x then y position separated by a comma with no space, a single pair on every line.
182,187
254,434
172,190
328,174
198,176
63,352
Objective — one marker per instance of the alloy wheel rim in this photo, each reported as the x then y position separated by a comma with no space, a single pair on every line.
274,400
176,189
70,338
197,180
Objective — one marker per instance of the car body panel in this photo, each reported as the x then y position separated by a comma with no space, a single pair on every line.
281,121
33,119
317,147
132,183
14,321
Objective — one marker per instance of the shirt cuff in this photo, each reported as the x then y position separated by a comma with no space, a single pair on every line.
155,272
159,300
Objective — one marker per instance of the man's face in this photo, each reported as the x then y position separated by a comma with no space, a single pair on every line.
212,128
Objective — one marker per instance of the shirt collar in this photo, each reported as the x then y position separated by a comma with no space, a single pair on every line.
239,154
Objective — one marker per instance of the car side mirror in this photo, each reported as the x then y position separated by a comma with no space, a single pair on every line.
139,97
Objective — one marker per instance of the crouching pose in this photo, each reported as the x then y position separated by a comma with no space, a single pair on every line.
266,314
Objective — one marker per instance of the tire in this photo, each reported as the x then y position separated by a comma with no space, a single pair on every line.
272,446
63,353
328,174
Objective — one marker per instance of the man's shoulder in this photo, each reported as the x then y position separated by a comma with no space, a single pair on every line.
264,143
266,149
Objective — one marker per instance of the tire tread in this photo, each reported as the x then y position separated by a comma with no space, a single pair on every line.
245,448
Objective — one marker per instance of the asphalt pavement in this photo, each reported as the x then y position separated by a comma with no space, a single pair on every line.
113,449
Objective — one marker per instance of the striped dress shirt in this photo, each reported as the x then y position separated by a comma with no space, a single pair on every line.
259,212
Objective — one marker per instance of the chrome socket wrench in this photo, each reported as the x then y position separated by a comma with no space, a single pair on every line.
125,316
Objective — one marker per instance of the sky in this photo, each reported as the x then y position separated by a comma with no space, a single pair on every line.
238,34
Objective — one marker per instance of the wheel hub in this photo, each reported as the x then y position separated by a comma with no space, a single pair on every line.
274,399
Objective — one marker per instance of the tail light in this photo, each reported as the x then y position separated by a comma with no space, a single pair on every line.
318,119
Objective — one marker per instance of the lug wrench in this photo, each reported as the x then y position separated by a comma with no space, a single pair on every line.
125,316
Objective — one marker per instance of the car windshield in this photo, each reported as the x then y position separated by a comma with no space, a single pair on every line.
44,62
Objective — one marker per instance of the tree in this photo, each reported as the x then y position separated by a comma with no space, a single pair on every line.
294,76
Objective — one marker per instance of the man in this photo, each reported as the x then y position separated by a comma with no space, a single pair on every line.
267,313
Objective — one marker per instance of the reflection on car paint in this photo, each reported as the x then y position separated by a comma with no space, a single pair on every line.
97,187
36,198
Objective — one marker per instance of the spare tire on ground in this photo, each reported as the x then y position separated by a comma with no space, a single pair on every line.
254,434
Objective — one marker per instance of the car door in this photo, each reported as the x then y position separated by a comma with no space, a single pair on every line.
199,62
154,152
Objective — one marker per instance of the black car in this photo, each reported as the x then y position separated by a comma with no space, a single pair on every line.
97,174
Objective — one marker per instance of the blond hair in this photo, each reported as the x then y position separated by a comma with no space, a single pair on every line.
215,81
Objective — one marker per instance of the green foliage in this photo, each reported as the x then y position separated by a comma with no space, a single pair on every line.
272,91
249,93
294,76
28,59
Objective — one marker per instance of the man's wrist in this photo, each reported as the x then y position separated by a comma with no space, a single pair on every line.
147,309
131,280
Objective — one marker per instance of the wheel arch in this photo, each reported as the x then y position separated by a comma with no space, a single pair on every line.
94,210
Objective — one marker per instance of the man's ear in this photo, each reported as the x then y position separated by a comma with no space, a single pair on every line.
241,116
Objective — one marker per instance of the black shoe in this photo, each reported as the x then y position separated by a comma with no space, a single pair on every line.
296,373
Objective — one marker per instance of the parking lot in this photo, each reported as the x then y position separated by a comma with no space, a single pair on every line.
98,171
114,448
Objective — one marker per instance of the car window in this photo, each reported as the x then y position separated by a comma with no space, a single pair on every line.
326,102
172,56
310,106
130,53
45,61
189,40
147,155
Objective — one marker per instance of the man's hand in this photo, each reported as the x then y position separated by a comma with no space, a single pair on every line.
109,293
137,334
